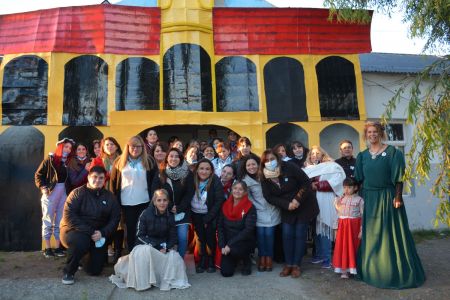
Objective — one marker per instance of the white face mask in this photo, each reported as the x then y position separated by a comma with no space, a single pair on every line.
271,165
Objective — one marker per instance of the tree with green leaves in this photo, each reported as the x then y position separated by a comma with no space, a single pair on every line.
428,107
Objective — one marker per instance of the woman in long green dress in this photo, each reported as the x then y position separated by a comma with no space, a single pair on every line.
387,257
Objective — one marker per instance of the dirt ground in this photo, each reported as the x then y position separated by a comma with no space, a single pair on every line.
23,268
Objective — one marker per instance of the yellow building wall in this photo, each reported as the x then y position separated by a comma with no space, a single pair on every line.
189,21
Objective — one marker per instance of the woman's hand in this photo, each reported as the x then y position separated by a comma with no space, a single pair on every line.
314,186
96,236
87,166
293,204
226,250
398,202
45,192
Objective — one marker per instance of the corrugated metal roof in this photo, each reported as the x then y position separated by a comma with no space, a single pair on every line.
285,31
217,3
395,63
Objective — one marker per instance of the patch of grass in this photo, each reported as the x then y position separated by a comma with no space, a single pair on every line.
424,235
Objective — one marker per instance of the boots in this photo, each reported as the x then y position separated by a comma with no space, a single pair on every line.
200,268
286,271
211,266
262,263
269,264
247,266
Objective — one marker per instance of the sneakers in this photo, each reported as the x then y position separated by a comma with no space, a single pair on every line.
316,260
344,276
68,279
326,264
48,252
59,252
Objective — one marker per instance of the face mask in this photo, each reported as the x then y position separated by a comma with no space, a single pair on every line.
271,165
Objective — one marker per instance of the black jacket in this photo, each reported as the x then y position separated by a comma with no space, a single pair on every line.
294,183
46,175
214,199
87,210
116,180
232,232
154,228
348,165
180,195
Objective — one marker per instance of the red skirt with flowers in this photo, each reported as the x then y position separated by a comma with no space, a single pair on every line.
346,245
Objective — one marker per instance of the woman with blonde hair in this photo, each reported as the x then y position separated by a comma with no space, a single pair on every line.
387,257
131,181
327,178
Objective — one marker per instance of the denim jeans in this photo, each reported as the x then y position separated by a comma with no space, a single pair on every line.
294,242
266,237
182,231
323,247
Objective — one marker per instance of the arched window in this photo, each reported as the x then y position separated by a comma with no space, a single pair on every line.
337,89
332,135
187,78
284,84
24,100
236,85
286,133
85,91
82,134
21,152
137,84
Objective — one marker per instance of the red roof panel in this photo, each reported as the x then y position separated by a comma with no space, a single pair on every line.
278,31
83,29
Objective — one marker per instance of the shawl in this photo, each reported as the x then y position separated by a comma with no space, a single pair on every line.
236,212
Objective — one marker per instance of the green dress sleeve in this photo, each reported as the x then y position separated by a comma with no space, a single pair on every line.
398,166
359,175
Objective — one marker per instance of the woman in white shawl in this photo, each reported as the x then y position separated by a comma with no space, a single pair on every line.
327,182
154,261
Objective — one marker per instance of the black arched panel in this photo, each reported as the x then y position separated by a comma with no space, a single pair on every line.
82,134
24,100
137,84
337,89
284,83
85,91
286,133
187,78
21,152
236,84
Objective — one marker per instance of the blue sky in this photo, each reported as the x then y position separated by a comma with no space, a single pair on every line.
387,34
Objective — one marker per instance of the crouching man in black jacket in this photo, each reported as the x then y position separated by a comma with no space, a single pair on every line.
91,214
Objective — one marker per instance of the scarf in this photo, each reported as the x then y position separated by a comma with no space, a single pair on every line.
227,187
177,173
236,212
271,174
134,162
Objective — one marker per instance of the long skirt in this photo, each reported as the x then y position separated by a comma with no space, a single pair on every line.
145,267
347,243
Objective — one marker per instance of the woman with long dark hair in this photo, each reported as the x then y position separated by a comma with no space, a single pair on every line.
131,181
268,215
176,178
52,179
289,188
78,167
205,206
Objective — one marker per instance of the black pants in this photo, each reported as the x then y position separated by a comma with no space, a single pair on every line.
131,216
78,245
206,236
240,251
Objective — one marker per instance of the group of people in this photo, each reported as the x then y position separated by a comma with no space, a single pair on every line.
153,195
